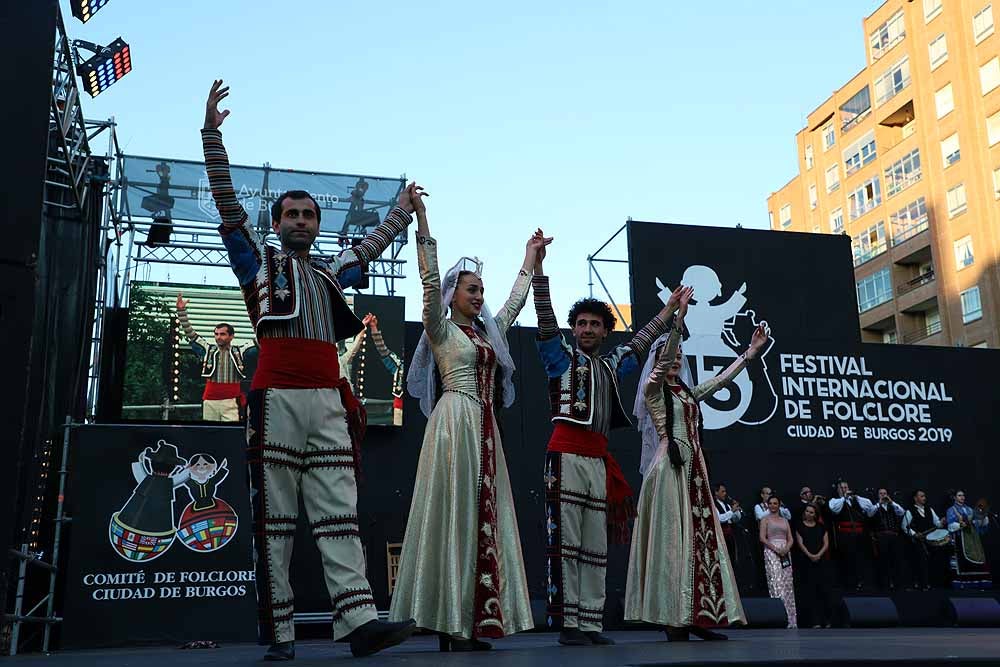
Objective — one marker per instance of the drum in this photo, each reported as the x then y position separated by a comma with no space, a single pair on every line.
938,538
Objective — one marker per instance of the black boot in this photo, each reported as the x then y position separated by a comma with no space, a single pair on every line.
706,634
573,637
376,635
676,634
597,639
462,645
281,651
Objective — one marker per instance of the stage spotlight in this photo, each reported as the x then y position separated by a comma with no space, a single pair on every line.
84,9
109,64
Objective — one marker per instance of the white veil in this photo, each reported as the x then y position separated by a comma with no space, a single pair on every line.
650,439
420,376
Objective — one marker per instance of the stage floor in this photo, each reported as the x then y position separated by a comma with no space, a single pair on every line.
914,646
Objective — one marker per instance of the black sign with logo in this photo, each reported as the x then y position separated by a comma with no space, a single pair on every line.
818,404
160,539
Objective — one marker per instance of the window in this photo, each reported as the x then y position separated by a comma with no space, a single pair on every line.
972,305
956,200
887,35
833,178
874,290
770,219
869,243
829,138
950,150
908,221
860,153
931,9
938,51
837,221
964,255
813,197
865,198
809,156
785,215
854,110
944,100
892,82
989,75
993,128
902,173
982,23
889,337
996,183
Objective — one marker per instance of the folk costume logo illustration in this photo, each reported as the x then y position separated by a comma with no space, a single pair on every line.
717,334
145,526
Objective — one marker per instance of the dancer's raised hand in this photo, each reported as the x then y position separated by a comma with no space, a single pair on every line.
760,337
214,117
683,300
182,302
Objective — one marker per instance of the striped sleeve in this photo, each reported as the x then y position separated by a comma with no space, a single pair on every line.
189,332
379,343
246,250
548,326
378,240
643,340
217,167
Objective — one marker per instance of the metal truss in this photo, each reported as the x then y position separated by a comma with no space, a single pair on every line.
69,149
592,259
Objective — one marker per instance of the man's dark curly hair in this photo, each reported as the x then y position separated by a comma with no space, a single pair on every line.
596,307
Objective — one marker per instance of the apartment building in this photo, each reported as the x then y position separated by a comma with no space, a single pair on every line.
905,159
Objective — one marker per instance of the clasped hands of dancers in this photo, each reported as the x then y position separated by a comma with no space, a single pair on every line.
461,572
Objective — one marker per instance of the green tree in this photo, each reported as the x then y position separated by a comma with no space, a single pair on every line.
147,360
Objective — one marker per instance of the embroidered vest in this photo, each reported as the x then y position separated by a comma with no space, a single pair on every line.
211,358
571,394
273,293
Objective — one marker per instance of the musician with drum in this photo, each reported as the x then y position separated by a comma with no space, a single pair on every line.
931,540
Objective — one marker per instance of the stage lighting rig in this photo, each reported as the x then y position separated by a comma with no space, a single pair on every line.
84,9
108,64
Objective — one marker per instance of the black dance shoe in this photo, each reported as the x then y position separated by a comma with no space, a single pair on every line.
376,635
597,639
677,634
458,644
707,635
281,651
573,637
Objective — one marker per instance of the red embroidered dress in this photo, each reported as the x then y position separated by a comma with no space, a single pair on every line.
461,571
679,570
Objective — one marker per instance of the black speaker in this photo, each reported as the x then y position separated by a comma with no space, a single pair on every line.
765,613
973,612
870,612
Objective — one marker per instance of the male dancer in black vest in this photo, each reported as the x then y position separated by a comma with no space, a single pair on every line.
304,425
221,365
585,489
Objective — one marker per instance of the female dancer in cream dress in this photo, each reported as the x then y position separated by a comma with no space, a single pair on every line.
679,573
461,572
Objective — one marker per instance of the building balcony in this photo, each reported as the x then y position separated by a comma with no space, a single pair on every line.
926,335
911,245
918,295
871,318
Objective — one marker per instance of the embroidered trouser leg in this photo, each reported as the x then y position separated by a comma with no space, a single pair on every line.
579,509
220,410
298,441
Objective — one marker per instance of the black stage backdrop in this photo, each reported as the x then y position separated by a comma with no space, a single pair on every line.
928,420
164,559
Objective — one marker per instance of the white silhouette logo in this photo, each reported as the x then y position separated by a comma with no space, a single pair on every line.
717,335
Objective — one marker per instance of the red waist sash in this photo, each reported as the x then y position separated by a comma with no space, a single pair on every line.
218,391
296,363
572,439
850,527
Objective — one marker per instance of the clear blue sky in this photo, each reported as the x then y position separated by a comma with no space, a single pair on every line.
569,116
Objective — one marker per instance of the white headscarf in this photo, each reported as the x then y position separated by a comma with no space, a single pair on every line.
650,439
420,376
